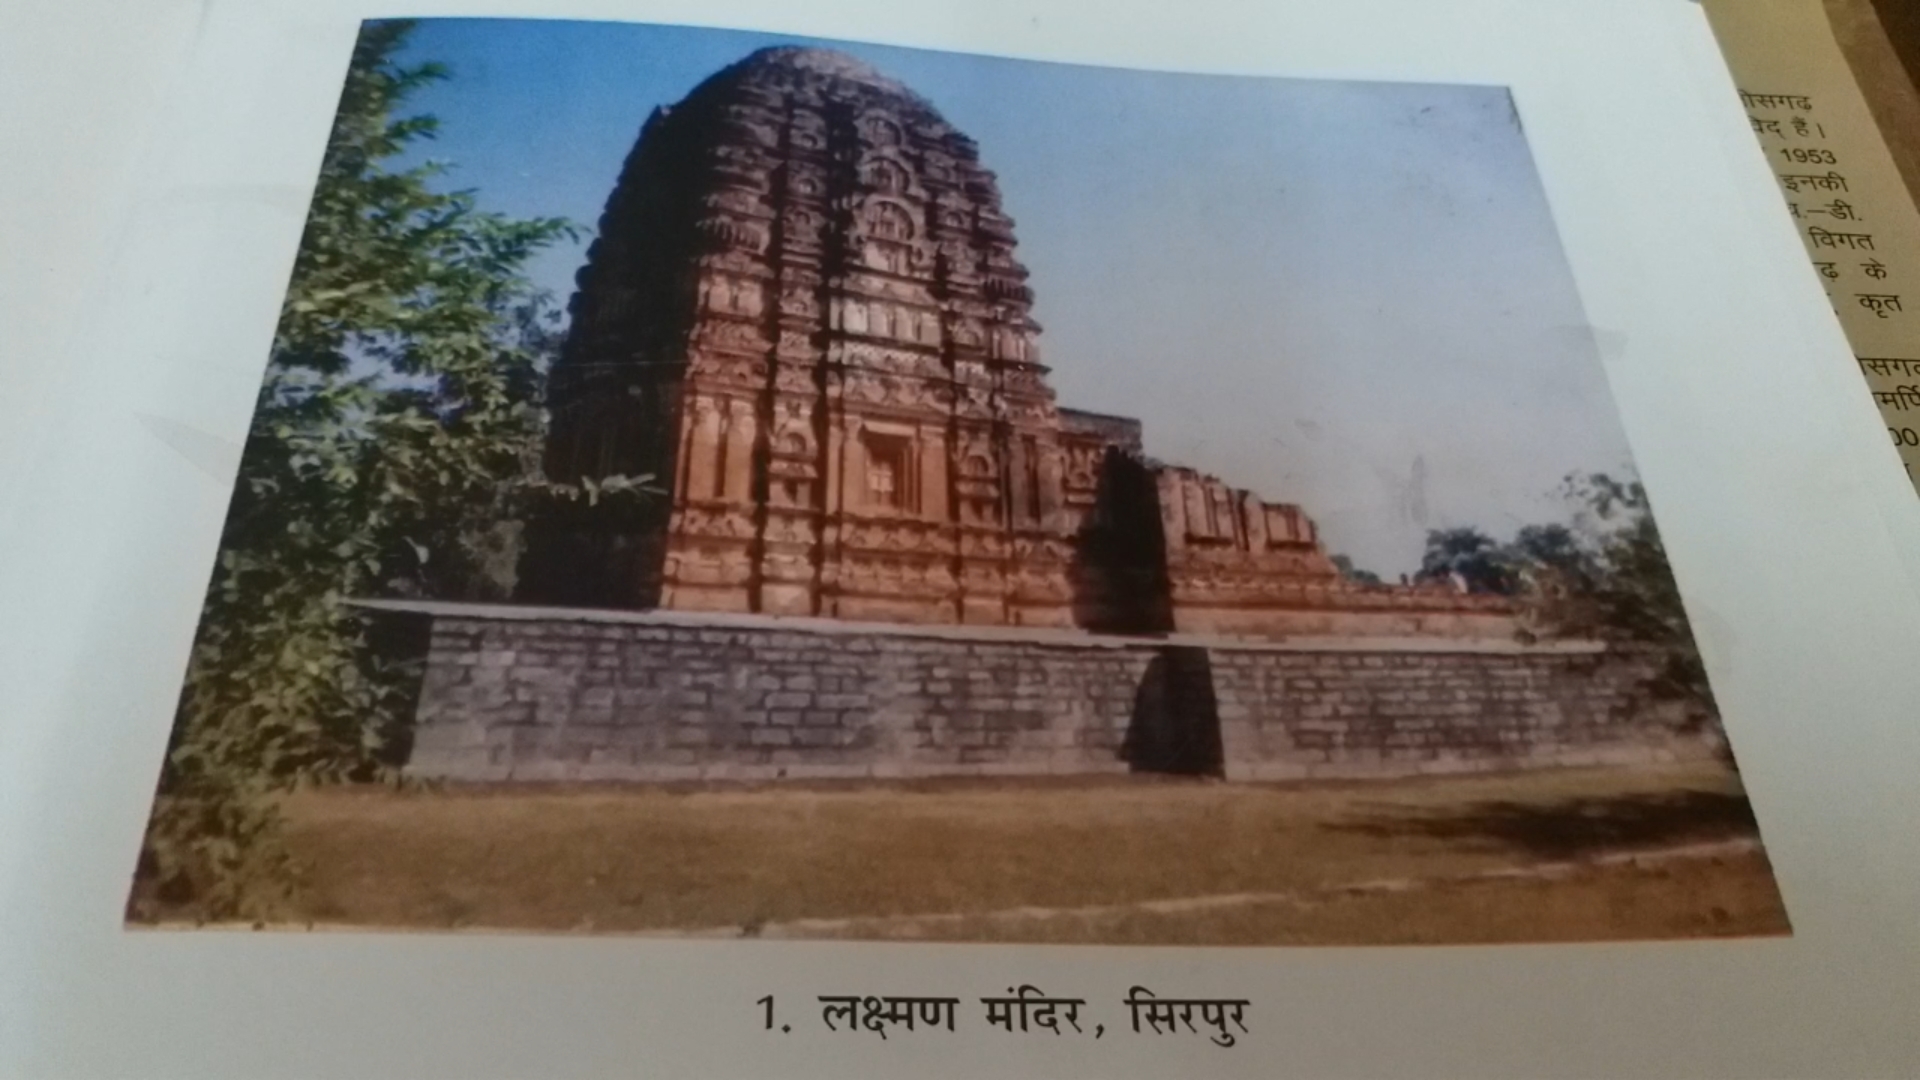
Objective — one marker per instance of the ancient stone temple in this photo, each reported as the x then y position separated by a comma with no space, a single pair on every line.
881,548
806,318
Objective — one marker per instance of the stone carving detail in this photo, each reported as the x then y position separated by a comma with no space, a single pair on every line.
881,130
886,177
822,333
888,220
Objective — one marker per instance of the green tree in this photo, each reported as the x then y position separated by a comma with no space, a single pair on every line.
1610,579
1477,558
400,408
1552,566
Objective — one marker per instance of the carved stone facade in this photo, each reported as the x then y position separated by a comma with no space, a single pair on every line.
805,317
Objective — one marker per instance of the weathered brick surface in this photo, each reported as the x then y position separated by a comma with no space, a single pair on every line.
558,698
1321,714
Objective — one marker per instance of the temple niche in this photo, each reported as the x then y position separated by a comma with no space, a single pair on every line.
805,318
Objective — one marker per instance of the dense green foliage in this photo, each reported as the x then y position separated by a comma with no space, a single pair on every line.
1471,555
398,420
1611,580
1605,576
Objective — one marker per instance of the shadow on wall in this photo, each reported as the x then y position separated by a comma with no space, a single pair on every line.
400,641
1175,727
1120,586
1119,569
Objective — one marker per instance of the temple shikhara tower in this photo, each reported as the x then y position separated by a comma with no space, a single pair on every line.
806,318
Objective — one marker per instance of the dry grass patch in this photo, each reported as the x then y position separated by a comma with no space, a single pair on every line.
743,859
1716,896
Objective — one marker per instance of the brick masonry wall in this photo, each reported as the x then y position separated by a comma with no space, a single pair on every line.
1373,713
519,694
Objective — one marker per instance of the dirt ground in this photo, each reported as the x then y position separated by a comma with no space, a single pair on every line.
1553,855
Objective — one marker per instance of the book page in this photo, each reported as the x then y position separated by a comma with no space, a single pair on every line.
1842,187
1036,544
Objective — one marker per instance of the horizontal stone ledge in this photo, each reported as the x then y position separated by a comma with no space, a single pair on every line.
1008,635
652,772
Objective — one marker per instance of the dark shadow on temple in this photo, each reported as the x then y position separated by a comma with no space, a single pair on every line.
1175,726
615,395
1119,570
593,557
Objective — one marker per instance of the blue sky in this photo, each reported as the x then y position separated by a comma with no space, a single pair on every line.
1347,295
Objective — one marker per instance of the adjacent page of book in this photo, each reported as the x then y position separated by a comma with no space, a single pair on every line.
1856,215
1009,539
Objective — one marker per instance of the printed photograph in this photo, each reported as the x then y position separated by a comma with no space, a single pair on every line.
716,484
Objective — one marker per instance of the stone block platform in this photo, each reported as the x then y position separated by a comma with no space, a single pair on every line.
545,694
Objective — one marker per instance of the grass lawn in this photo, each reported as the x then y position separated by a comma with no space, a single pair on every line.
1120,860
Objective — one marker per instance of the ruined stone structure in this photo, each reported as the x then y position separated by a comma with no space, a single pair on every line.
805,316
